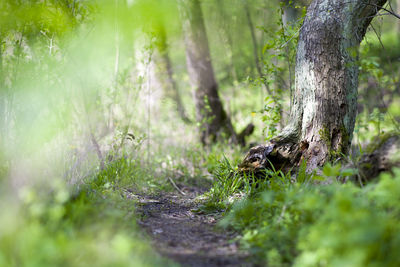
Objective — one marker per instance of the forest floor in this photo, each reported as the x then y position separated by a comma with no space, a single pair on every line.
184,235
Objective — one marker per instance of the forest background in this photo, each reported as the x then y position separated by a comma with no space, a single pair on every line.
96,101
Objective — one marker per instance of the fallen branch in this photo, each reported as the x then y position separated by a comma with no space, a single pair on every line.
176,187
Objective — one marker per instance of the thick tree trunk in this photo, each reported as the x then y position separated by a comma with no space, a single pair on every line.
324,102
210,113
165,73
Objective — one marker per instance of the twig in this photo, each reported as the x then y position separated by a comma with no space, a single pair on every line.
282,214
385,9
291,38
176,187
377,35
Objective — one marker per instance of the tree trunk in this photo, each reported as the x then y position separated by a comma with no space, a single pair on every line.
210,113
324,102
165,73
255,48
226,36
3,98
398,13
290,13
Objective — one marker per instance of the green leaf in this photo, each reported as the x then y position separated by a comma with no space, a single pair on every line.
331,171
348,172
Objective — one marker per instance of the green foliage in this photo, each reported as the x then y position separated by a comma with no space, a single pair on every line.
286,222
279,55
357,227
378,76
94,226
51,17
72,69
229,183
334,172
389,39
271,116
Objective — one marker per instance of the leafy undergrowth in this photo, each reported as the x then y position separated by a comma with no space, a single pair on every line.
93,222
285,221
95,226
282,220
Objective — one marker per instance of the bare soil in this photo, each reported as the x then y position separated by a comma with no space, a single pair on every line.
185,236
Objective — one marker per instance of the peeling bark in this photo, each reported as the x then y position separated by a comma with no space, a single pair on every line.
324,102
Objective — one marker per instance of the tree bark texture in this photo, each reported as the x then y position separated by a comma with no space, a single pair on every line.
326,79
210,113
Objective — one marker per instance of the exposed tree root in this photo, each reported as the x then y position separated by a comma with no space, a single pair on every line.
380,156
281,153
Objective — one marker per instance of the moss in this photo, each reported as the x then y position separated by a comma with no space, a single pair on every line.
344,145
325,136
342,148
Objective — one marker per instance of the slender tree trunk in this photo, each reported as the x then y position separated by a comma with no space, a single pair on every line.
2,92
290,13
4,99
226,31
325,99
164,70
210,113
259,64
398,13
1,62
255,47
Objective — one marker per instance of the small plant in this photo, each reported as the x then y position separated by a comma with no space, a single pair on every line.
279,59
271,116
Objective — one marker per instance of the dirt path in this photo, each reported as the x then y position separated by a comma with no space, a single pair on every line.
184,236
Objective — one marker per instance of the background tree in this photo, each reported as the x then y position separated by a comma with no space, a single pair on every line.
398,12
209,110
165,72
291,11
256,49
323,115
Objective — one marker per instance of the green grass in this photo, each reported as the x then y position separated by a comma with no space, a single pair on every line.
93,223
284,221
93,226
